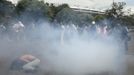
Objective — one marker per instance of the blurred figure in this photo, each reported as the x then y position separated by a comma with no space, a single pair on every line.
18,27
120,34
62,35
2,31
18,30
102,30
93,29
27,63
125,37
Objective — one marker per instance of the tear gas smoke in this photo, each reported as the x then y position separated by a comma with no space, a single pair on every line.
66,51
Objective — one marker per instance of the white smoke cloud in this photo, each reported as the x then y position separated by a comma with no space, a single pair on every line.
78,56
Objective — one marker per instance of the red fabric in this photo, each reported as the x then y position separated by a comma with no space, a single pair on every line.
27,58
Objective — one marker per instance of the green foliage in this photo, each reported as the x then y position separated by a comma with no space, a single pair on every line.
54,10
84,19
35,7
117,14
68,16
116,11
34,10
65,16
61,7
128,20
99,17
32,6
6,12
6,7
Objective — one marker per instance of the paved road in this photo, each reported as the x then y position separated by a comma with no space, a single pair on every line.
130,55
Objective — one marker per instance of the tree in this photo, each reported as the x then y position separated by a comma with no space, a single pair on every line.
66,16
54,10
6,12
116,11
117,14
60,7
32,11
99,18
84,19
128,20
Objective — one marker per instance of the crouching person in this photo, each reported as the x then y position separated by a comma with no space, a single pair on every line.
27,63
